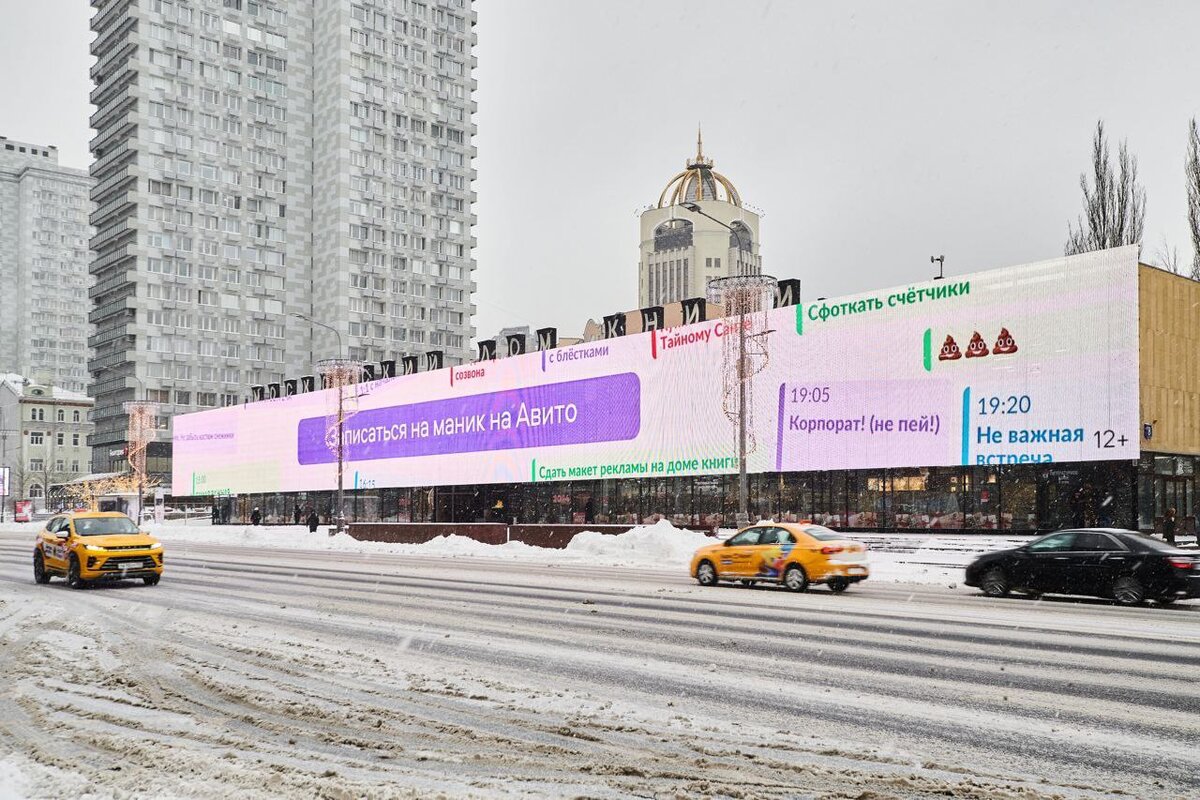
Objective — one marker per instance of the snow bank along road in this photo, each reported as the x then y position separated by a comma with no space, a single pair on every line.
254,673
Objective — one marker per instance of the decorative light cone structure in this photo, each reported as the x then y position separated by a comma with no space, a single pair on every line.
142,429
340,376
746,299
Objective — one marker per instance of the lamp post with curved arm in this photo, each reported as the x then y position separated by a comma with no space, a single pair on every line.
743,373
696,209
140,412
340,448
336,332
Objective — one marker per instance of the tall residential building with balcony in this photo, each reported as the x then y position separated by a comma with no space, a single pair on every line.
256,160
682,251
44,256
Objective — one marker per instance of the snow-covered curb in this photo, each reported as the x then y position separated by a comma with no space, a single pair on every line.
893,558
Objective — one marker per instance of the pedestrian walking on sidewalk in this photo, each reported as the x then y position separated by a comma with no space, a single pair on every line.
1169,526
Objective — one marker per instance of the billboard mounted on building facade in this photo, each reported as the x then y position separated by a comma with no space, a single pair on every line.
1027,364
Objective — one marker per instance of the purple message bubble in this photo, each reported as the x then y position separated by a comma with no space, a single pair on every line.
605,409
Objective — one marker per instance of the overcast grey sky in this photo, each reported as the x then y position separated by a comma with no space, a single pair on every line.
872,135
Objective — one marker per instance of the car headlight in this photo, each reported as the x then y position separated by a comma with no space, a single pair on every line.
93,548
156,546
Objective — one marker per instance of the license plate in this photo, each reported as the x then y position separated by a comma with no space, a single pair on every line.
856,570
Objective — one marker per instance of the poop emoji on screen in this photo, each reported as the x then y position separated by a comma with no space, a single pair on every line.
950,351
977,348
1005,343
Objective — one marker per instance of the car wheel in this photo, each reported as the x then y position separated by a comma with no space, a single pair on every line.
151,580
706,574
837,585
73,579
1128,591
995,583
39,569
795,578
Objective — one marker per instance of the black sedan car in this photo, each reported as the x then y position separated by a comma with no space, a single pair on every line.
1101,562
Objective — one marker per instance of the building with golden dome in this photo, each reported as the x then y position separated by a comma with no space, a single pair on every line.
682,250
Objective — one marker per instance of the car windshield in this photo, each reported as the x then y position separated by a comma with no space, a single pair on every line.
100,526
822,534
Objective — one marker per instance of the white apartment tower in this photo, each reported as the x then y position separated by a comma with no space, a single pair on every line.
44,256
682,250
262,166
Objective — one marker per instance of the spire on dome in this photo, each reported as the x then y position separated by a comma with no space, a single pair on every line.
699,181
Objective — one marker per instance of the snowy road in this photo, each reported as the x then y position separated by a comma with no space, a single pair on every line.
249,673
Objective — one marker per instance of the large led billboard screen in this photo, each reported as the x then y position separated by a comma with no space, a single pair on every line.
1029,364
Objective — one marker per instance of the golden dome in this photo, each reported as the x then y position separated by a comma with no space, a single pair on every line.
699,182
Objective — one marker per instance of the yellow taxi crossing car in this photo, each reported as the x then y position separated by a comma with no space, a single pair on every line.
796,555
86,546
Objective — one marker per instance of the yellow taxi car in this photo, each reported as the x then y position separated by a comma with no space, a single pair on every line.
85,546
796,555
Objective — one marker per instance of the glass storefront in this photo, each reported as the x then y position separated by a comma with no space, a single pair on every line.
1026,497
1166,482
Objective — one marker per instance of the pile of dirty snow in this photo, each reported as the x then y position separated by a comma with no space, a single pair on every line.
659,545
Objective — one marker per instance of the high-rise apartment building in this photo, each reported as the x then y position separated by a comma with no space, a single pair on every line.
682,251
44,236
262,166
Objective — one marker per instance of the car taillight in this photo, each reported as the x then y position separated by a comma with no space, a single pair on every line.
1180,563
830,549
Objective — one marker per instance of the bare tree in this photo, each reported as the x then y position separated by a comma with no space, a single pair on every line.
1167,256
1192,170
1114,203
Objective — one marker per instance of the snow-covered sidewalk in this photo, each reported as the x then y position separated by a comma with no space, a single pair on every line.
894,558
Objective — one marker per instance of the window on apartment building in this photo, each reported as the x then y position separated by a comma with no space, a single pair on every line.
35,437
36,465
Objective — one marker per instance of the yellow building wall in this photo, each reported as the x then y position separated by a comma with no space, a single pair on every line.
1169,330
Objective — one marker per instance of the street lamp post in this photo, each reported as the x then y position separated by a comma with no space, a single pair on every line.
340,352
743,375
695,209
135,450
338,367
143,420
6,478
